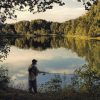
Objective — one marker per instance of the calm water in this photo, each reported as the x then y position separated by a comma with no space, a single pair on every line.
54,54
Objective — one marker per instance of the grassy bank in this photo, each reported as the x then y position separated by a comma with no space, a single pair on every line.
16,94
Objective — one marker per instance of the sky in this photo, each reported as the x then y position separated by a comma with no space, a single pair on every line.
71,10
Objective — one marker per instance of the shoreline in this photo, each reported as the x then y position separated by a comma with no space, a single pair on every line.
69,36
83,37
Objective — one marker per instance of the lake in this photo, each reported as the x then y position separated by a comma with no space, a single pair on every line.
56,55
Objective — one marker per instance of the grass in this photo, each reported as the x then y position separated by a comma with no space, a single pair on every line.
17,94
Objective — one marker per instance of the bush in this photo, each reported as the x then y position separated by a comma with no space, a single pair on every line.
4,79
87,80
52,86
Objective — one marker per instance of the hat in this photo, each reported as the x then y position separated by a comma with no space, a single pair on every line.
34,61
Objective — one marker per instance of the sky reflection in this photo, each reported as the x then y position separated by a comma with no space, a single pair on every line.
58,60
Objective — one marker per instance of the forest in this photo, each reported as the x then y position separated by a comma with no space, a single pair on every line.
86,25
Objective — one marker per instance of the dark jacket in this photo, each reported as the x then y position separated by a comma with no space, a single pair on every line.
33,72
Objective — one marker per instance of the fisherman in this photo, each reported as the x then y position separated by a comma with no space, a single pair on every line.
33,72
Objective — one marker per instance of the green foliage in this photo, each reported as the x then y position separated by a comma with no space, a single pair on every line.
4,48
22,27
87,80
4,79
8,7
87,25
8,29
35,27
52,86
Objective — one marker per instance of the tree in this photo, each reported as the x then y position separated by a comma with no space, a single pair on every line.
8,7
54,85
87,79
88,3
4,79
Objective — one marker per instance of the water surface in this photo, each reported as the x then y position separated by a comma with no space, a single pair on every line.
54,55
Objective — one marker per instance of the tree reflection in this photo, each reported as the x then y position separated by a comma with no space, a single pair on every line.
39,43
89,49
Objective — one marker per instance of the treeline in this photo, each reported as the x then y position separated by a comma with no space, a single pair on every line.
36,27
86,25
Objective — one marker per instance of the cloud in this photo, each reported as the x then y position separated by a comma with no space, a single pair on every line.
19,56
58,14
49,60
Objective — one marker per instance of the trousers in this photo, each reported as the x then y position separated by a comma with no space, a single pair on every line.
33,86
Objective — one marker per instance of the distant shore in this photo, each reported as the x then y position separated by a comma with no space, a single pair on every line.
82,37
69,36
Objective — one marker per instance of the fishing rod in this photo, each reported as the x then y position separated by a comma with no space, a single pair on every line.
44,73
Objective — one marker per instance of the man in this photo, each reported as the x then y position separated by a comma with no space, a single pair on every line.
33,72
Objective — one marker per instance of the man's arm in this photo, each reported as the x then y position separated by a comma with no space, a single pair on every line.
42,72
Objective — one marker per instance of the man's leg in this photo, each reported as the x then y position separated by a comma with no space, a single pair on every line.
30,86
35,86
